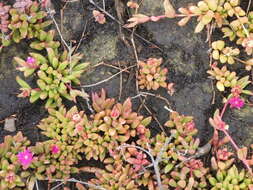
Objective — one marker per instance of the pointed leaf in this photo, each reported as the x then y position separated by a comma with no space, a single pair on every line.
169,10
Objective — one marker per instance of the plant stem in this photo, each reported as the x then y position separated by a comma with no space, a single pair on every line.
237,149
232,140
224,109
73,180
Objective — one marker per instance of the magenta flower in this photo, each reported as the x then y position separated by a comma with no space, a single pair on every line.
55,149
236,102
25,158
31,62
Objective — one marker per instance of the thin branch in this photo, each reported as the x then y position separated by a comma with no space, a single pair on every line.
120,84
155,118
155,164
50,12
55,187
105,80
82,36
141,93
36,184
167,141
249,4
73,180
157,170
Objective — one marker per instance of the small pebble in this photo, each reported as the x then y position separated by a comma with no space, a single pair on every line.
9,124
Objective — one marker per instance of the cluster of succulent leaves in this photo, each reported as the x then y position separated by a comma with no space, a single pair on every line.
55,73
228,176
129,168
117,122
48,165
151,75
45,164
75,135
70,128
11,174
179,169
226,79
224,54
111,125
24,20
208,11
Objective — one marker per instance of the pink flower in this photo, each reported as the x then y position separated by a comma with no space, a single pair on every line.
25,158
31,62
236,102
76,117
55,149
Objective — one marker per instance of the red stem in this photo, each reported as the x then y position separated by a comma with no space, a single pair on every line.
164,16
224,109
232,140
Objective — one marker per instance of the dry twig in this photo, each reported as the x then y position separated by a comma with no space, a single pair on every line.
105,80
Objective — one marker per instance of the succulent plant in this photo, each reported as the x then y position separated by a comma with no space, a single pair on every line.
117,122
151,76
227,79
116,177
176,156
188,177
26,20
4,17
247,43
183,130
224,77
230,178
210,10
67,127
74,129
54,159
22,5
4,22
11,173
55,74
241,30
224,54
45,40
249,64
